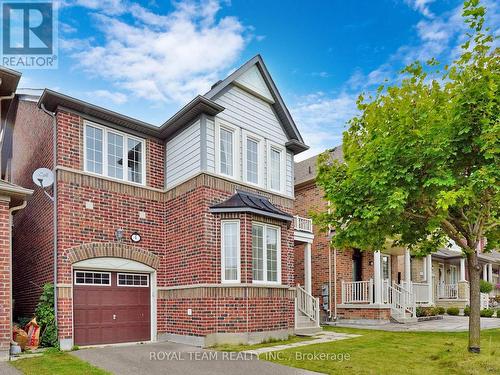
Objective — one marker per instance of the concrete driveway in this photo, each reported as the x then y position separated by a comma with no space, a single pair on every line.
170,358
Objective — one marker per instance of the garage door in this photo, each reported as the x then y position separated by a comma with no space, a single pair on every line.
111,307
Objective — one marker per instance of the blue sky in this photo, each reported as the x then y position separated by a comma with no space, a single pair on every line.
147,58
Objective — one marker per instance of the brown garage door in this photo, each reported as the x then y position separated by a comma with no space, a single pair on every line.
111,307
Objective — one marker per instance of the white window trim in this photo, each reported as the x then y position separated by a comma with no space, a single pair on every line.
282,150
125,136
238,253
236,148
133,274
278,256
260,158
87,271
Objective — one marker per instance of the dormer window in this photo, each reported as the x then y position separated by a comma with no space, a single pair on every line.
113,154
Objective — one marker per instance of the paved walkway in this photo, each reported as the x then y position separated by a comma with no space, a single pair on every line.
447,324
325,336
176,359
6,369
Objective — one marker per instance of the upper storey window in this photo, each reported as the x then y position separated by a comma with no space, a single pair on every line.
226,152
114,154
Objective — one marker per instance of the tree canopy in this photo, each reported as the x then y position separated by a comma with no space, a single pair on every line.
422,158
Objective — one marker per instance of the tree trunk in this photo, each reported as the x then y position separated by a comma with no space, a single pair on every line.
475,303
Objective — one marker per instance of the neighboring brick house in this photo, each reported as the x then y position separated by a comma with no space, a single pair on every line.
12,199
181,232
354,285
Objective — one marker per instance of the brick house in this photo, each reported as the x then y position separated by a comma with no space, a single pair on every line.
354,285
182,232
12,199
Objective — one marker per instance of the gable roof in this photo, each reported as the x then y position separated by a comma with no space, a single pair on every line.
52,100
295,143
244,201
305,170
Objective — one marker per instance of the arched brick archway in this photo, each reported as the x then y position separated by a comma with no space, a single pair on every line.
115,250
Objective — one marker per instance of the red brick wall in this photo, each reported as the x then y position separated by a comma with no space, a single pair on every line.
5,297
309,199
33,229
70,149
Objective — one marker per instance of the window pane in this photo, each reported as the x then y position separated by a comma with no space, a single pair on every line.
226,152
275,169
252,161
230,233
93,144
115,155
257,252
272,254
134,155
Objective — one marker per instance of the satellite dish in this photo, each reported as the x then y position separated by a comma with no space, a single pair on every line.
43,177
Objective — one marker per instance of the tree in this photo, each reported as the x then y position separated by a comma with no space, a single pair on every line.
422,162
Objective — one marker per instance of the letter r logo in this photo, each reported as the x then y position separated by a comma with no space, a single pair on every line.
27,28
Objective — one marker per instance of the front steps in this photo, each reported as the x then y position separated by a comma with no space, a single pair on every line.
406,319
304,326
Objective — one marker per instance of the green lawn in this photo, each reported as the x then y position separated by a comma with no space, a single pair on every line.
55,362
239,348
380,352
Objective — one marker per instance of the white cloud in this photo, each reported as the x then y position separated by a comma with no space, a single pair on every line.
421,6
322,119
115,97
163,57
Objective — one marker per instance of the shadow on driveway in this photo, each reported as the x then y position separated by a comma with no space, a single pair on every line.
170,358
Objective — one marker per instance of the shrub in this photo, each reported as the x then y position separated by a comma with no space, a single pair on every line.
46,318
419,311
426,311
441,310
485,286
498,313
487,313
452,311
467,311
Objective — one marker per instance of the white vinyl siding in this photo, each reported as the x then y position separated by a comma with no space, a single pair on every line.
210,145
183,155
254,117
266,253
230,251
106,149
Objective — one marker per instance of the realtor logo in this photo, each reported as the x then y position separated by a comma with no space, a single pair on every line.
29,35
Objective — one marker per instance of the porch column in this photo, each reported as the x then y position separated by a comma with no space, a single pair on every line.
307,268
407,268
485,272
428,261
462,269
377,277
490,273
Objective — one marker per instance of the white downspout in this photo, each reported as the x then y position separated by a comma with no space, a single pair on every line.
335,284
54,207
11,223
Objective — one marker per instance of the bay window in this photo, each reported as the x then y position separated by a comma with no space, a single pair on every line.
266,253
230,251
108,152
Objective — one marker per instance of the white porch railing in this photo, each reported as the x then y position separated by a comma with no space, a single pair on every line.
485,301
303,224
357,291
419,290
401,301
448,291
307,304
